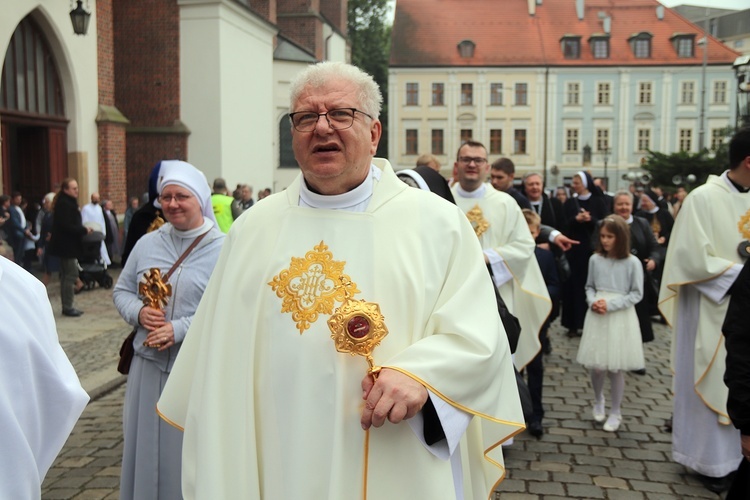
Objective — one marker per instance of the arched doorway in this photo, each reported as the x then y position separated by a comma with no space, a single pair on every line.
32,118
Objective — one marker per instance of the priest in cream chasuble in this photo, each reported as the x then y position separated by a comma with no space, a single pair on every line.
702,263
508,247
271,410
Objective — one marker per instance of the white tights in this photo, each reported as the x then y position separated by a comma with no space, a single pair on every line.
617,383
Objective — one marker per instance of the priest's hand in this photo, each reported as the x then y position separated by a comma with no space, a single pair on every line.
564,242
393,396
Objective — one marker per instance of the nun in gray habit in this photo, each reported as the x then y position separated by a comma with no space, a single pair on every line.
152,454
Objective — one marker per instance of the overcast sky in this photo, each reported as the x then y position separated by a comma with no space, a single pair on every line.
719,4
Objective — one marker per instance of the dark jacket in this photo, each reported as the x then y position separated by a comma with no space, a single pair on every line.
736,331
67,228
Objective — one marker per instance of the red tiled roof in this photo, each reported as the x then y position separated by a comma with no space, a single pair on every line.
426,33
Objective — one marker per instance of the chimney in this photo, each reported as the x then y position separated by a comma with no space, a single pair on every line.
607,25
579,9
532,6
660,12
539,2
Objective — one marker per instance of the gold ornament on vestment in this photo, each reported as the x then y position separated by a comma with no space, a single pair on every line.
477,220
309,286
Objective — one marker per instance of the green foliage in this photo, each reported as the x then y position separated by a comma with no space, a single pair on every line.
665,168
370,37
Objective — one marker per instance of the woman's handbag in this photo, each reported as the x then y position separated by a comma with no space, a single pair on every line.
127,351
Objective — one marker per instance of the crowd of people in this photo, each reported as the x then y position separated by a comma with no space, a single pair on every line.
272,300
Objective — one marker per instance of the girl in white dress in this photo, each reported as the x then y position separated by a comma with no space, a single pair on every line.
611,340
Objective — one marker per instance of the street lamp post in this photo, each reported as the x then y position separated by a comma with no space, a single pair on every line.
605,152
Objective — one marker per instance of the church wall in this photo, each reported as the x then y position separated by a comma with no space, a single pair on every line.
76,61
226,61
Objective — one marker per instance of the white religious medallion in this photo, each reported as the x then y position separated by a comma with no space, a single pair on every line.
310,286
357,327
477,220
744,227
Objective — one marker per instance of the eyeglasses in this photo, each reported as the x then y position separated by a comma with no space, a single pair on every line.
468,159
179,198
338,119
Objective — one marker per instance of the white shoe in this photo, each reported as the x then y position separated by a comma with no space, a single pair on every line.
599,414
613,422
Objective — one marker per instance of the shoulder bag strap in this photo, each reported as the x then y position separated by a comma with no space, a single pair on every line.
184,254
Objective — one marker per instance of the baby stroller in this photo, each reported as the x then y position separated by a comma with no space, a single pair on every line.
93,269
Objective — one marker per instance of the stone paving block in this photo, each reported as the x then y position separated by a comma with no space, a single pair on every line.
94,495
665,477
571,477
606,451
574,449
593,460
585,491
61,494
688,491
76,462
611,482
542,447
649,486
591,470
624,495
515,496
110,471
654,456
530,475
629,464
548,488
70,482
513,485
561,431
551,467
627,473
104,482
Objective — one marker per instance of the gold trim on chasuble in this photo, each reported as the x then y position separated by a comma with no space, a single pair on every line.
477,220
310,287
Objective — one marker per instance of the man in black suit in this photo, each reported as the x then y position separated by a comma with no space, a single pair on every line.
502,173
66,241
550,210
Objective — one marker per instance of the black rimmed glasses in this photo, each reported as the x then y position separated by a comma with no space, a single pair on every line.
468,159
338,119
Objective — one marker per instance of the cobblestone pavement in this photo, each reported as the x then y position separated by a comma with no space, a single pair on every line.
574,459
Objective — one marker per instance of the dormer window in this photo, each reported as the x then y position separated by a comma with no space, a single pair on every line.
640,44
571,46
466,49
684,44
599,46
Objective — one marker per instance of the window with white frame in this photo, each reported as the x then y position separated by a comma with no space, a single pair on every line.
684,45
644,93
686,138
571,140
519,141
720,92
438,145
412,94
687,93
496,94
467,94
438,94
496,141
717,137
467,134
600,47
602,139
522,95
574,93
644,139
412,145
602,93
640,44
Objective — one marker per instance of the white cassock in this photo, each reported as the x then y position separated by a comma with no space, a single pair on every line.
506,240
94,213
271,410
40,395
701,264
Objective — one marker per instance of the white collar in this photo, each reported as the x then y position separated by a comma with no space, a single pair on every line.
584,197
629,220
477,193
355,200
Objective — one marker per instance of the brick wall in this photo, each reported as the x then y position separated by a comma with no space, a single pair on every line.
111,136
145,151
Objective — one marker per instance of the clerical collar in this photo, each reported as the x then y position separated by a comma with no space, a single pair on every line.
738,187
355,200
477,193
584,197
629,220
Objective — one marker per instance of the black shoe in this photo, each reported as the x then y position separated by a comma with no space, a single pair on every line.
717,484
547,347
642,371
536,429
72,312
573,333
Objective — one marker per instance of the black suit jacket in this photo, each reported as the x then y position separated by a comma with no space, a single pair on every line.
67,228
